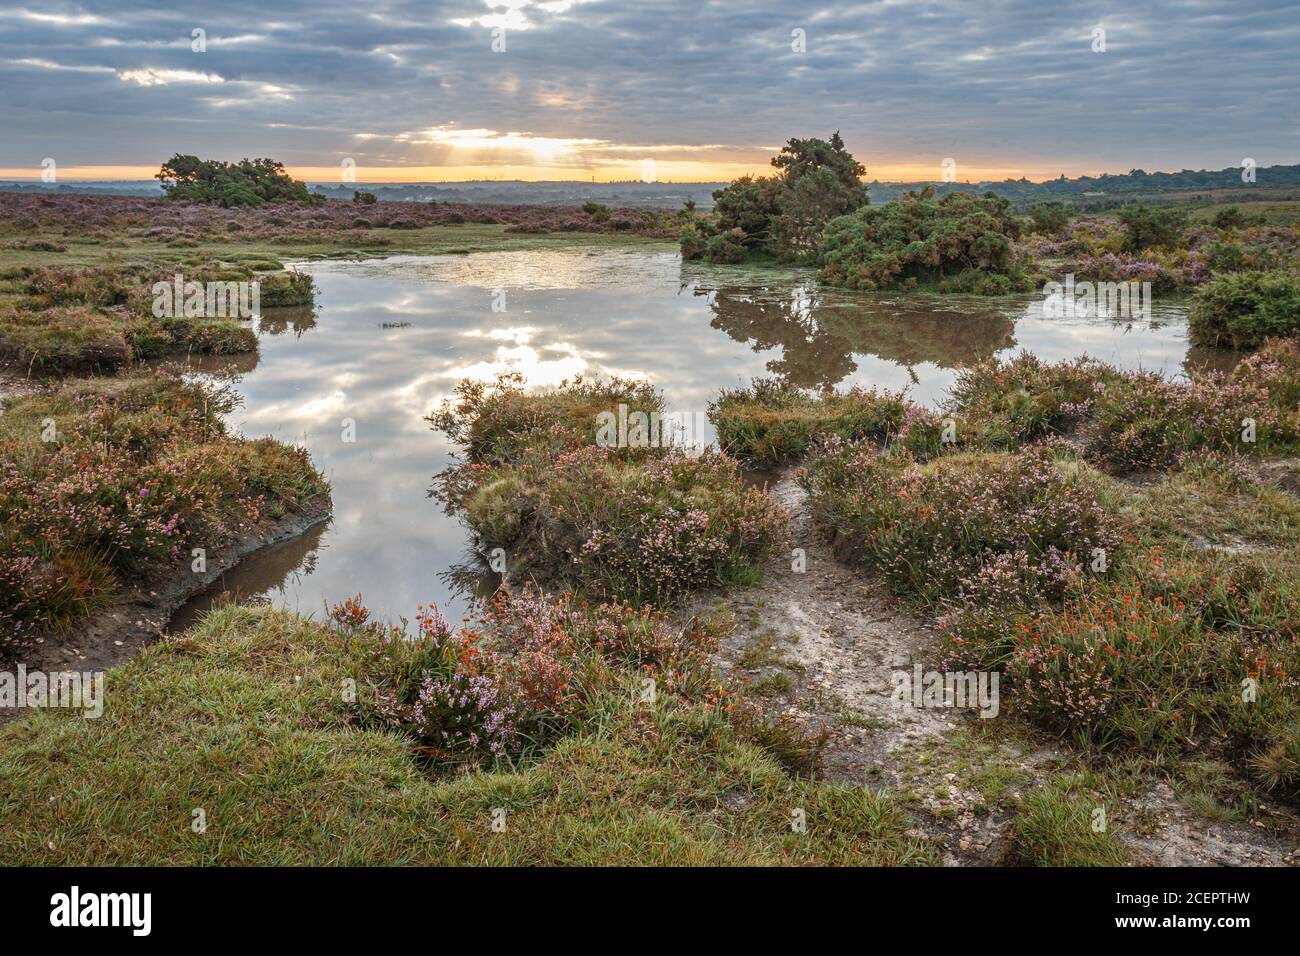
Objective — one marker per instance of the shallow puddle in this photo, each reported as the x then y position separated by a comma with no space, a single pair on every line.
353,378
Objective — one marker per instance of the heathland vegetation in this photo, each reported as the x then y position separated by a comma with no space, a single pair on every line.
1120,547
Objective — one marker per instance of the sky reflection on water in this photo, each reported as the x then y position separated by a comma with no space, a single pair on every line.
689,329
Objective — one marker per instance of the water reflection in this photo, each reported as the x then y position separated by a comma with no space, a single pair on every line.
815,334
389,339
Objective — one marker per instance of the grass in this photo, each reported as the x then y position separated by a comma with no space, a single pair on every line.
61,320
244,718
134,249
1064,824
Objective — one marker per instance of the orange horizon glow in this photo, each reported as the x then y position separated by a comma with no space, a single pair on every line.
674,171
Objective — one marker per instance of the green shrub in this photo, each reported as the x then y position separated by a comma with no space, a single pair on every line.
923,240
286,288
249,182
1242,310
781,215
1049,219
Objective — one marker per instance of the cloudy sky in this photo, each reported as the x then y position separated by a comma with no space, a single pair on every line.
596,88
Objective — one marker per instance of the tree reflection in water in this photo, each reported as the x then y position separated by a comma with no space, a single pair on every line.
818,331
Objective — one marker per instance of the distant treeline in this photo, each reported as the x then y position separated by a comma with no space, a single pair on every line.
1085,193
1104,190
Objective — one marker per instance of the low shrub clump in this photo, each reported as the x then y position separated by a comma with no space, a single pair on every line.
1174,649
500,422
771,422
955,243
1241,310
532,669
67,320
986,531
634,520
1128,421
105,480
646,530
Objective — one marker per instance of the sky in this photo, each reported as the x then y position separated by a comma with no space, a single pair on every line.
646,89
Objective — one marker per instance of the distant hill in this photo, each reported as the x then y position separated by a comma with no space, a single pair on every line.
1086,193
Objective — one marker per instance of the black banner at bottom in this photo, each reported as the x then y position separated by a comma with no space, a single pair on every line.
336,906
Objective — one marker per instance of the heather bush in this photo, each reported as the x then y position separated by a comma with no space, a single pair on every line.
531,668
68,320
1130,421
772,422
105,479
1172,648
646,530
1145,421
1003,404
1242,310
497,423
963,524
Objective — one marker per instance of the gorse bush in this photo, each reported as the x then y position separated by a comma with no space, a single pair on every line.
1242,310
919,239
1049,219
1147,226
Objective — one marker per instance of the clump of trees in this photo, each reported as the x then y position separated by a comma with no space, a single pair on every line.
959,243
249,182
1147,226
1049,219
781,215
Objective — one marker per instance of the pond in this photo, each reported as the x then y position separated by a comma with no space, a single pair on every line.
352,379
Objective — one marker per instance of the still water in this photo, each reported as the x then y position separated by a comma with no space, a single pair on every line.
387,341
